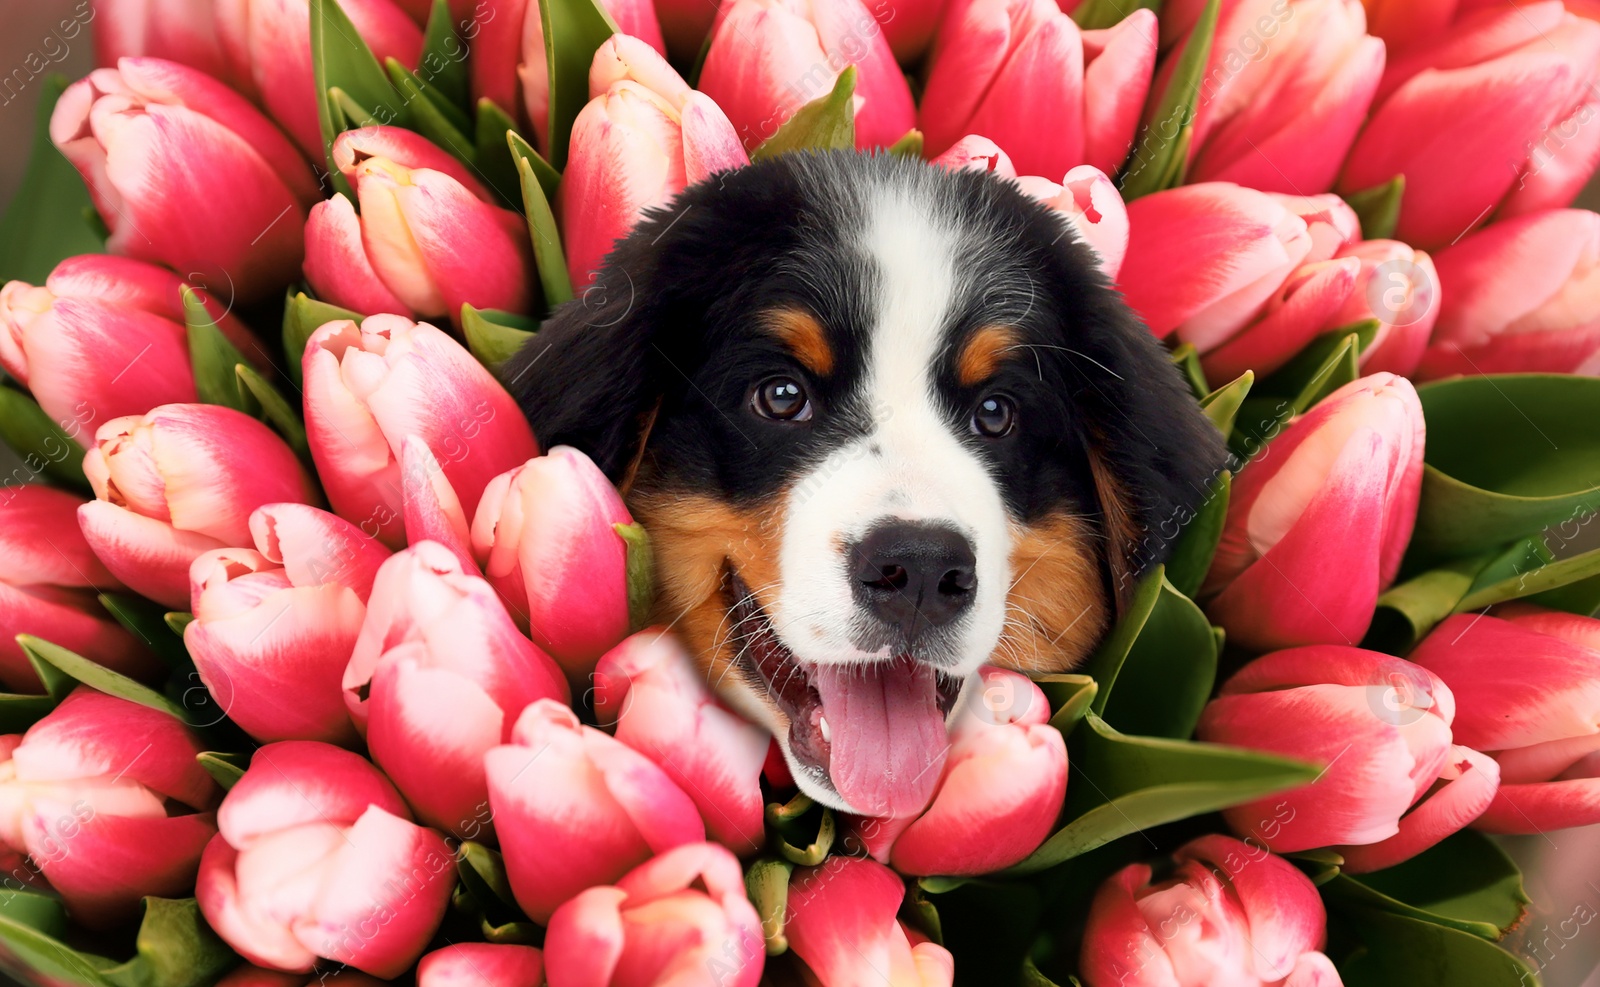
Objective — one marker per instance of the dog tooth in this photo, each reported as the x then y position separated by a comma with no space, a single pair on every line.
827,734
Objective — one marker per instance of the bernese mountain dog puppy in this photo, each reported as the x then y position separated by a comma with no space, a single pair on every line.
885,423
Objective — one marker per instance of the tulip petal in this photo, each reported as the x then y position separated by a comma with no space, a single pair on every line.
585,940
336,264
110,862
432,510
1471,780
296,783
261,941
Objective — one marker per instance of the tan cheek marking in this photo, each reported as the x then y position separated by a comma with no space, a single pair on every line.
1057,607
805,337
983,352
1122,533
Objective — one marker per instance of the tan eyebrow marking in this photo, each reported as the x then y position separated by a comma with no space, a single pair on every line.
983,352
804,336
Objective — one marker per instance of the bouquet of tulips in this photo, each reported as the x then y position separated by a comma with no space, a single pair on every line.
318,667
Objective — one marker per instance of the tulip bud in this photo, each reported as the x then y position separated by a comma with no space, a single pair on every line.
48,584
575,808
680,918
768,58
1091,202
108,802
661,706
182,31
1317,526
438,677
1520,297
481,964
1399,288
186,173
1231,913
318,857
1380,726
369,387
976,153
840,922
176,483
273,628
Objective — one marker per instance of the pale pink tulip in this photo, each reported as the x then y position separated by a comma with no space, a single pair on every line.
182,31
575,808
186,173
841,923
976,153
680,918
176,483
1093,206
317,857
438,676
108,802
481,964
1397,287
1380,726
369,387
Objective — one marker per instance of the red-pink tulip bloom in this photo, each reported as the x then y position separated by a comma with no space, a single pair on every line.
975,152
841,923
481,964
1398,287
681,918
49,580
1520,296
438,677
1542,724
1231,913
546,536
318,857
183,31
661,705
768,58
428,239
186,173
369,387
268,47
176,483
1021,73
644,136
104,337
575,808
274,626
1380,726
1000,793
1494,113
1317,526
107,800
1091,203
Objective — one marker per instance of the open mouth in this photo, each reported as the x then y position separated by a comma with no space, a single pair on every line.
873,731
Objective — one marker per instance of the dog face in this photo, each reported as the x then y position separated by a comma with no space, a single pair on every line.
885,423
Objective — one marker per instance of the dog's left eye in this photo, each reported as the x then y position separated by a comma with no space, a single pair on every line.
994,417
782,399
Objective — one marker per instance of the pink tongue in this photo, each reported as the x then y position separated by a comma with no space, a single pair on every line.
888,739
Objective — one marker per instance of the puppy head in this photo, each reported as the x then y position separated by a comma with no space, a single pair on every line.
885,423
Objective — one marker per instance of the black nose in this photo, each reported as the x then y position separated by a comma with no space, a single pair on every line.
914,576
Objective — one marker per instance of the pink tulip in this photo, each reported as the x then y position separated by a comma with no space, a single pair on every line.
976,153
1399,288
841,923
1491,114
1403,23
481,964
176,483
662,707
428,238
768,58
182,31
1021,73
369,387
1316,528
318,857
1000,793
438,677
1541,724
681,918
248,975
1307,304
575,808
186,173
48,583
546,536
1231,913
1093,206
107,800
642,139
1520,296
274,627
74,341
1380,726
268,46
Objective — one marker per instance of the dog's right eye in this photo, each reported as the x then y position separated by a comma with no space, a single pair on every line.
781,399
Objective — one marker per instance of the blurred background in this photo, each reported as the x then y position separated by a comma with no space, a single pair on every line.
1560,939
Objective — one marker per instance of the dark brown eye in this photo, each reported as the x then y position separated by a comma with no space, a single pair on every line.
994,417
782,399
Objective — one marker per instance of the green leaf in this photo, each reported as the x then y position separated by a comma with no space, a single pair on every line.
263,401
1187,359
1581,597
43,224
1507,456
548,256
302,316
179,621
1160,157
1408,611
1403,951
225,768
641,572
44,447
909,146
19,711
1329,363
493,132
1466,881
342,63
483,871
1159,685
1126,785
494,337
1319,358
1070,696
827,122
814,852
1095,15
443,124
1527,568
211,355
766,883
95,676
573,31
175,949
147,621
443,65
31,931
1222,405
1378,208
1197,545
